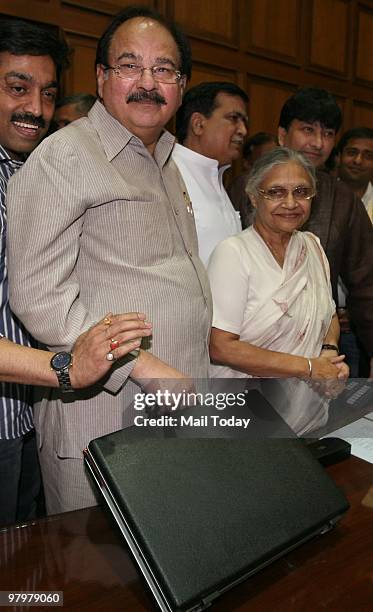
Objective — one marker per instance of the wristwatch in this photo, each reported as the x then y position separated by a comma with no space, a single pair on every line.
61,363
330,347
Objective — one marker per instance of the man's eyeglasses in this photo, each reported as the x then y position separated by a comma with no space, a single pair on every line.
279,194
132,72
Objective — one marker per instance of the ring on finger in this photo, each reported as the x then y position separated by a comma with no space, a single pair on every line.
114,344
110,356
107,321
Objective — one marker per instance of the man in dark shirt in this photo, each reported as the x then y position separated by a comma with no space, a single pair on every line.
309,122
356,164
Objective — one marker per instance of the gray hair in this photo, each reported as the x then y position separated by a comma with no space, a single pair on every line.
267,161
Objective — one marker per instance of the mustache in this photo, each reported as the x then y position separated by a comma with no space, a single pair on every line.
29,118
152,96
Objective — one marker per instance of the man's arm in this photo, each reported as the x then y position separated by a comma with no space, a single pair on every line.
48,201
26,365
45,210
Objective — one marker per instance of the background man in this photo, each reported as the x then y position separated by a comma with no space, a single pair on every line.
119,233
254,147
211,125
72,107
31,61
309,122
356,164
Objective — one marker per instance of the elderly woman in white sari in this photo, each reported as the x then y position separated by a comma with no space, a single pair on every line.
274,315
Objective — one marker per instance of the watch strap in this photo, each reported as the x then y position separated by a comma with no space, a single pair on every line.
330,347
64,380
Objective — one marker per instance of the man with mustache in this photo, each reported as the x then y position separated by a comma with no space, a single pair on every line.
356,164
113,232
31,61
211,125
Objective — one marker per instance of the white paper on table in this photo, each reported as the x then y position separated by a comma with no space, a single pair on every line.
360,435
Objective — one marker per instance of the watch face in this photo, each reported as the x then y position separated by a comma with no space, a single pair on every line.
61,361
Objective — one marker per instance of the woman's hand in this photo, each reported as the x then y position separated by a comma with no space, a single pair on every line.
91,348
326,367
329,374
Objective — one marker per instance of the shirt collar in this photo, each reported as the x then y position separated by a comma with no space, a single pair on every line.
368,195
6,159
201,160
115,137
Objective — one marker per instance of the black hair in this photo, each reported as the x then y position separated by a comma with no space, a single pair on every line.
83,101
354,133
25,38
256,140
332,162
312,104
131,12
203,99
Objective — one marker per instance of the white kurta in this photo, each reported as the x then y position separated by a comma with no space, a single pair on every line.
214,214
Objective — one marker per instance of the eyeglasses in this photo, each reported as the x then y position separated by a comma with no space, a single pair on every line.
132,72
279,194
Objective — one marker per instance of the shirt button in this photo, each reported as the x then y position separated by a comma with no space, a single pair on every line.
176,211
190,253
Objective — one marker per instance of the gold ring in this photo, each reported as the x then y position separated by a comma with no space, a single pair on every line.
107,321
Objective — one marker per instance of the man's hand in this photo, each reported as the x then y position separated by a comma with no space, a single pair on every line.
91,348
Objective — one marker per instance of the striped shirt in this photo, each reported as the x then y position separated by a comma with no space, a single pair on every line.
15,400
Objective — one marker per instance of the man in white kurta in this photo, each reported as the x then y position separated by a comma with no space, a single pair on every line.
211,126
213,212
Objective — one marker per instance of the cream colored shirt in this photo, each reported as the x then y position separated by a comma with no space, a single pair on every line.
97,224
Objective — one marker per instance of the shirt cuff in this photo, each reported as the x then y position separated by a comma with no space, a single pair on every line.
119,374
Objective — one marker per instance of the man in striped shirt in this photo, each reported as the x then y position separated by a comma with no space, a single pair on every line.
31,61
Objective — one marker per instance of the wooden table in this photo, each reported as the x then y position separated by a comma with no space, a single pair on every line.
83,554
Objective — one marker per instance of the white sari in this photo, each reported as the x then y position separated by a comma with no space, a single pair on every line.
287,309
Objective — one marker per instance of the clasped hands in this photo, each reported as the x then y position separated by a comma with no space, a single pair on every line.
329,374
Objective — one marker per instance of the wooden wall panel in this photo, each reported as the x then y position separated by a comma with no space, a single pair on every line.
266,100
273,28
81,76
269,47
362,115
330,33
364,56
108,7
205,72
38,10
215,20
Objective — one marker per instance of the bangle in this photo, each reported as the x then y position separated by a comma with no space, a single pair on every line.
330,347
309,367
